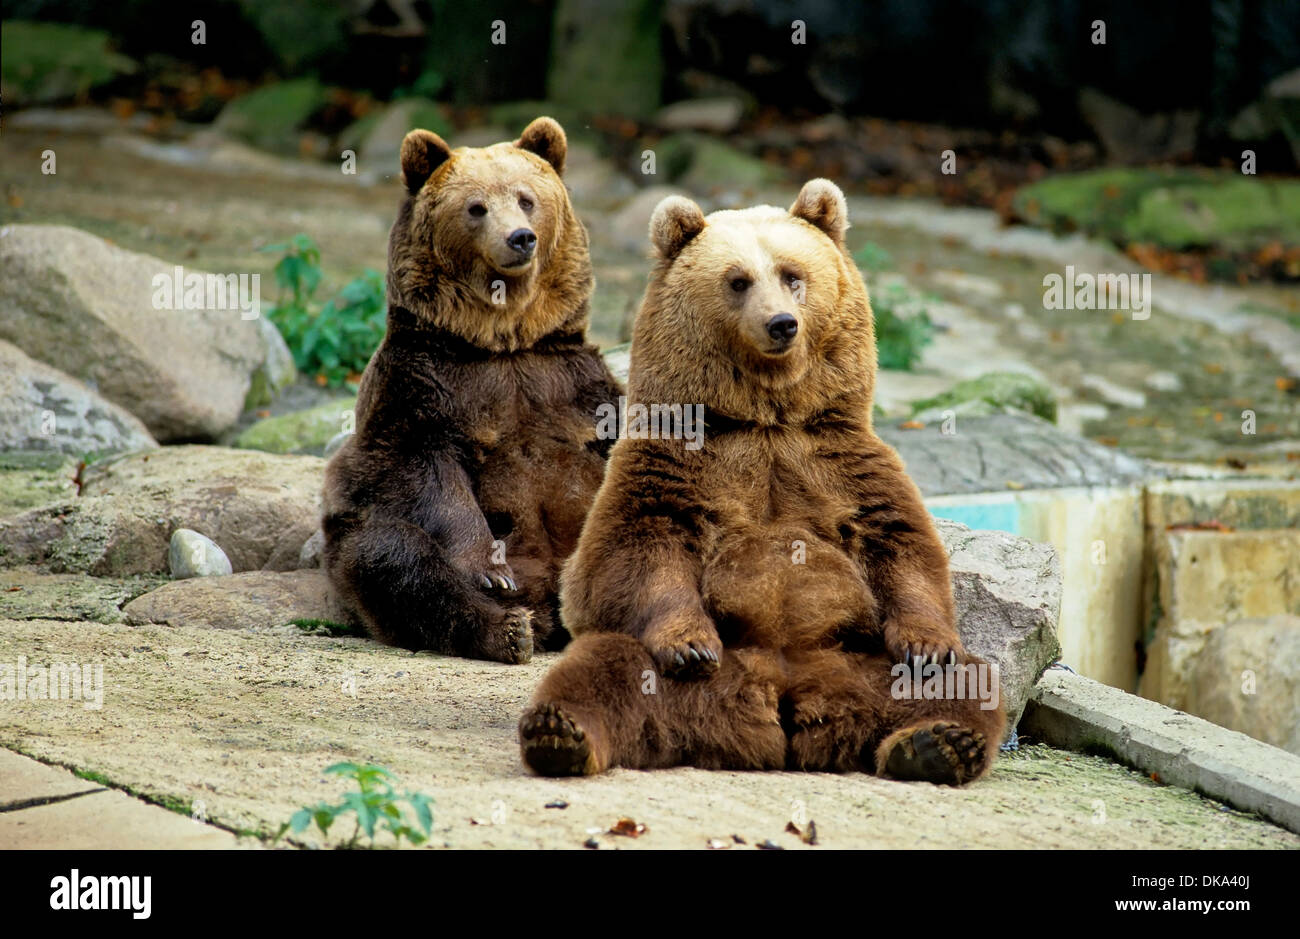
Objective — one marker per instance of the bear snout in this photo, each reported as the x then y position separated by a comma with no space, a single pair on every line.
523,241
782,328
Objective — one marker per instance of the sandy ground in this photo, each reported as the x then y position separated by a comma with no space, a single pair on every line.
244,722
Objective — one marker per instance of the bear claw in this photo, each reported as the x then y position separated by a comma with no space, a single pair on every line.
688,662
553,743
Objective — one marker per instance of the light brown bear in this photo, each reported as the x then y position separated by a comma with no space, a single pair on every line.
475,457
741,605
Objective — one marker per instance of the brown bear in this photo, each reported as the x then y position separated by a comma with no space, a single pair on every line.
475,458
745,605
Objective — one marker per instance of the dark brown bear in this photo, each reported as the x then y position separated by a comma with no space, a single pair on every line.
450,510
741,605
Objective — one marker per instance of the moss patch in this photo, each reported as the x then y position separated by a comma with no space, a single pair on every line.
300,432
992,392
1173,209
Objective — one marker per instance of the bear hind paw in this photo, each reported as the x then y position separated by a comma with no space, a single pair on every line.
941,753
554,744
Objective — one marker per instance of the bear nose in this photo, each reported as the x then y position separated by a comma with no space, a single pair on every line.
522,240
782,327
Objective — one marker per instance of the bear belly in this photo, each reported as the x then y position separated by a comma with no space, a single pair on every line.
784,588
535,498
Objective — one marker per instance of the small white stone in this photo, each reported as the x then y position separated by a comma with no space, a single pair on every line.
193,555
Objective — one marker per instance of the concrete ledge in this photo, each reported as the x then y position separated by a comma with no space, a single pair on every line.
1077,713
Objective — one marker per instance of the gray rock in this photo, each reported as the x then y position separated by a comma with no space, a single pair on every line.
260,507
86,307
43,409
716,115
1001,451
309,555
239,601
190,554
1008,595
1132,137
381,150
629,227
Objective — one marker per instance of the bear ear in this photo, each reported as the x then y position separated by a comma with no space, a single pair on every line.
676,220
822,205
423,151
545,137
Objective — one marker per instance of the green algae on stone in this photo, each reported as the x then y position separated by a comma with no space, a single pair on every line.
1174,209
300,432
29,479
991,393
26,595
271,116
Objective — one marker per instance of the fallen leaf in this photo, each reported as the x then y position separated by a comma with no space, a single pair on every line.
911,425
628,828
557,804
769,845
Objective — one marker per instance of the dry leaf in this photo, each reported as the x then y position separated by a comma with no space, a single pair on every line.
628,828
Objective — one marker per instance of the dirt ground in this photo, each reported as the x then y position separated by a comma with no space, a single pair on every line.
243,722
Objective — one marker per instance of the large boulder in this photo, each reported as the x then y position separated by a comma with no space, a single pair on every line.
43,409
87,307
1008,595
239,601
259,507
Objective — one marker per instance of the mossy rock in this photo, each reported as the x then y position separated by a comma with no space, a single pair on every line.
272,116
605,57
41,63
1173,209
32,478
300,432
991,393
706,164
1238,213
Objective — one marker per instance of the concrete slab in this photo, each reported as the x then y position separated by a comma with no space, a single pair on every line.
24,780
1077,713
107,820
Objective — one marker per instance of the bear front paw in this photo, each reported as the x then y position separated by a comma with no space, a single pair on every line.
685,654
923,643
497,579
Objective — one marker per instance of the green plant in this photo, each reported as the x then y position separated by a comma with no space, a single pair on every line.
376,806
899,338
872,257
336,341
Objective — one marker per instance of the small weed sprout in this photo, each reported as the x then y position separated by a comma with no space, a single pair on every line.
376,804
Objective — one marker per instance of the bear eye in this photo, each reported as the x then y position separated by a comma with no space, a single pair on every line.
739,284
477,209
792,280
525,203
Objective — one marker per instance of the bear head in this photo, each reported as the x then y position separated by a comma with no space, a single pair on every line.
486,243
759,314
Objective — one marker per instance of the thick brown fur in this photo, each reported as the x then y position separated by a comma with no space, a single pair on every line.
450,510
768,581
